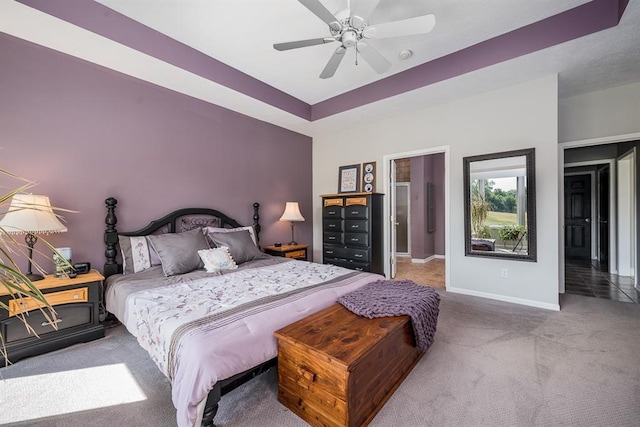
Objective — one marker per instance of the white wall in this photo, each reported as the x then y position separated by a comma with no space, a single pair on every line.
602,113
516,117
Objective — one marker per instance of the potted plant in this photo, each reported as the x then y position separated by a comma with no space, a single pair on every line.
511,233
13,281
479,210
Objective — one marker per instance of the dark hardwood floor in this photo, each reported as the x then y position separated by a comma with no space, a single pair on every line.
587,279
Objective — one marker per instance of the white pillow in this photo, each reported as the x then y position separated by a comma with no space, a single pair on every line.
207,230
217,259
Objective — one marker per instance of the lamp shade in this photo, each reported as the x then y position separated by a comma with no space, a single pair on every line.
292,212
30,213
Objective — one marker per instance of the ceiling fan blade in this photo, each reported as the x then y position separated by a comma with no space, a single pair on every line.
405,27
322,12
334,61
364,8
378,62
302,43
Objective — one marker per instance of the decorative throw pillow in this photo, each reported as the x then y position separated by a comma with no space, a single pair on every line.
178,252
241,247
249,228
217,259
137,255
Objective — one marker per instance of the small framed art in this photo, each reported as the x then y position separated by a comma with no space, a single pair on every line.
369,177
349,179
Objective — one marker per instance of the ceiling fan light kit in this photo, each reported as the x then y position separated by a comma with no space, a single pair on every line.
351,29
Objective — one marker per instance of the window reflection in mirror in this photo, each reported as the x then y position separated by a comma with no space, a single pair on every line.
500,205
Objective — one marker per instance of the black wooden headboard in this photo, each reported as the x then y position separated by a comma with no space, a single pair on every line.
175,222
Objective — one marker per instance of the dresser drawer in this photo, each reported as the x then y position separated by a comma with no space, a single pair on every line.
332,225
22,305
332,237
358,255
334,252
357,225
332,212
296,254
352,265
360,212
67,316
358,239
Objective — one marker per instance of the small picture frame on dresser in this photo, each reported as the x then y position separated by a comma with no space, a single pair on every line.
368,177
349,179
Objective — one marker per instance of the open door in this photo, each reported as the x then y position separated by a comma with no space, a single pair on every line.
627,215
392,220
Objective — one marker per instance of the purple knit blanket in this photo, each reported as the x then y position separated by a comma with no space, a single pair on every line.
398,298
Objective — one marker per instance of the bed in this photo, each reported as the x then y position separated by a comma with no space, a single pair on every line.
211,330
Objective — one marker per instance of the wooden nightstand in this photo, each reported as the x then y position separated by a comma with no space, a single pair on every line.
76,302
288,251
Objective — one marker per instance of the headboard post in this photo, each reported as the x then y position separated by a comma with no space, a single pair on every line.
111,238
256,222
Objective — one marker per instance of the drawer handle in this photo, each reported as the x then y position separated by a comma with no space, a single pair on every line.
359,268
355,226
305,373
355,239
332,213
328,252
332,226
332,237
58,320
358,255
355,212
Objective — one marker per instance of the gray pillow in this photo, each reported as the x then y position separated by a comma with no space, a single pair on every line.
136,254
178,252
240,244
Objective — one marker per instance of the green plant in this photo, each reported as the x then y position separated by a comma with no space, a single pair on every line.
511,233
479,210
12,281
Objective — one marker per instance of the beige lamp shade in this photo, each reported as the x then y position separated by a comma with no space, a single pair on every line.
292,212
31,214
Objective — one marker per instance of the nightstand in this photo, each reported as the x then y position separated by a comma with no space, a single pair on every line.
76,302
288,251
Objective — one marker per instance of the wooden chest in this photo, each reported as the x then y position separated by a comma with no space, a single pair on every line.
338,369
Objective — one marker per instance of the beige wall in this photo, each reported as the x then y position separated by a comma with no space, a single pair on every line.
521,116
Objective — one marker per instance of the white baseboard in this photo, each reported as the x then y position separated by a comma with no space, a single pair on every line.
426,260
514,300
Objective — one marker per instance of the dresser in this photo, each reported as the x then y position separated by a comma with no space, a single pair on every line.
338,369
76,302
352,234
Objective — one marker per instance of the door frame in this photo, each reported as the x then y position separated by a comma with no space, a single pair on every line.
593,244
386,170
575,144
631,187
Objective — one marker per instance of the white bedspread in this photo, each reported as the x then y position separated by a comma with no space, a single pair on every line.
203,330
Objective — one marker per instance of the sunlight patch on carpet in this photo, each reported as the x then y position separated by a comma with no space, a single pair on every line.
67,392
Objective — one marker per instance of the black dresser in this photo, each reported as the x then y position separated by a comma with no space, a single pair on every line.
352,231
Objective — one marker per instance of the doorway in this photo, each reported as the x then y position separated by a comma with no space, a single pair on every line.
599,220
416,186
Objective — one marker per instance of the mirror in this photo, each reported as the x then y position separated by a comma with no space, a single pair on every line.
500,209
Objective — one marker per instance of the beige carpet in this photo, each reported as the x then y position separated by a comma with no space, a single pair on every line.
492,364
430,273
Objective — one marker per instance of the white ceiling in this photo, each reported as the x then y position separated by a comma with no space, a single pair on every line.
241,33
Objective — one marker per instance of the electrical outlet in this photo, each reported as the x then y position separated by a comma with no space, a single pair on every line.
504,273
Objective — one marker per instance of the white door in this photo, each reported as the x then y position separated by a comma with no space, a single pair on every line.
392,219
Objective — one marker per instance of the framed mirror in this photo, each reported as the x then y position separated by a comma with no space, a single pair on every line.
500,205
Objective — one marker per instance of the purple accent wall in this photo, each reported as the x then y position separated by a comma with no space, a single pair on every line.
102,20
84,132
427,169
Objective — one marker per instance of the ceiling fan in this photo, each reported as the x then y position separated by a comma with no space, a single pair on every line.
350,28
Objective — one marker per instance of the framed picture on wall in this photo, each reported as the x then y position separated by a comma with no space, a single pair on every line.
369,177
349,179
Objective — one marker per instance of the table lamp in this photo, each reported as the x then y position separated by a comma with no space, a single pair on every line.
31,214
292,214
